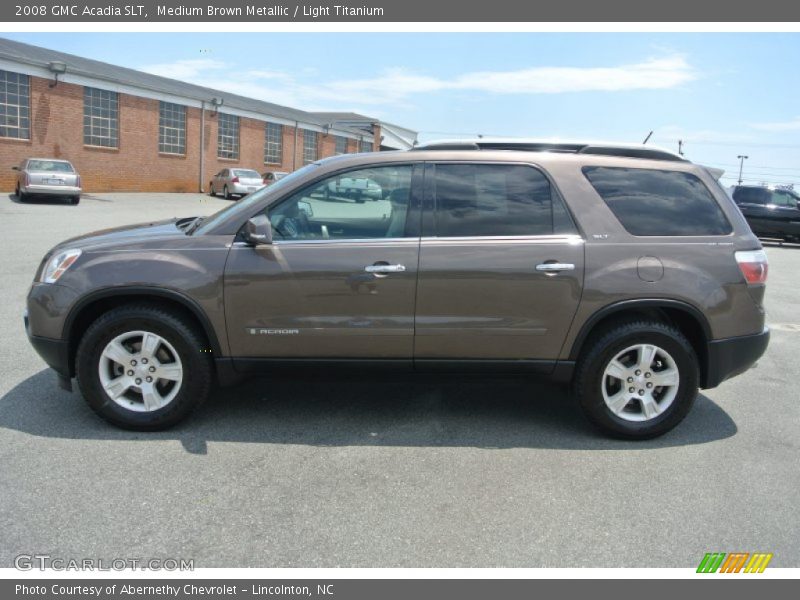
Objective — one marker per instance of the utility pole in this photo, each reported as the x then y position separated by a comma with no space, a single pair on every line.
741,158
680,147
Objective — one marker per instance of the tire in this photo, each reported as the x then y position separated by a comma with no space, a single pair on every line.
75,200
179,350
211,191
22,197
225,193
629,344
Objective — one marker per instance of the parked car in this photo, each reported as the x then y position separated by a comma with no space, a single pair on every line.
235,182
47,177
359,189
271,177
771,212
626,271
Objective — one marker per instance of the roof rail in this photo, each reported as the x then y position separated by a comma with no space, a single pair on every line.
629,151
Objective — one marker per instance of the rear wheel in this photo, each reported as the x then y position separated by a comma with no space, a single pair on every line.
21,196
637,380
225,193
142,367
75,200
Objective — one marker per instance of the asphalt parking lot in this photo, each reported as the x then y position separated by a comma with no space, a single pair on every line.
386,471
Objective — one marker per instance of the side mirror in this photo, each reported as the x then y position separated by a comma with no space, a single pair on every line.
258,231
305,208
15,168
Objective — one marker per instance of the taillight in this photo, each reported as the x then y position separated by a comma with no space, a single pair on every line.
27,180
754,265
235,180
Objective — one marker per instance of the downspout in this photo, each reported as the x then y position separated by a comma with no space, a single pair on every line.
294,150
202,143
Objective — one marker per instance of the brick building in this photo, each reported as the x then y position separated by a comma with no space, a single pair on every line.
125,130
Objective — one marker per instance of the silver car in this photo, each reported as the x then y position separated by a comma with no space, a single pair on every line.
236,182
47,177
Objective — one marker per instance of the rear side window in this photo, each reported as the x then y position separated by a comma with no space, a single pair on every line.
654,202
496,200
744,195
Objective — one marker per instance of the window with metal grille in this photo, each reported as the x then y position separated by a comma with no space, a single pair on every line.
365,146
341,144
227,136
309,146
100,118
15,102
171,128
273,143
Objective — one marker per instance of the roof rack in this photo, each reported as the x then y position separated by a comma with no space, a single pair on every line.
630,151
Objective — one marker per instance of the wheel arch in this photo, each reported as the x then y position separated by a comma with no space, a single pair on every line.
93,305
688,319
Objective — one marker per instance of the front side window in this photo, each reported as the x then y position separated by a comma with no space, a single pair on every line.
496,200
309,146
15,102
650,202
100,118
784,198
171,128
273,143
227,136
362,204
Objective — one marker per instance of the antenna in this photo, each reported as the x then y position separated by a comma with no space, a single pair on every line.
647,138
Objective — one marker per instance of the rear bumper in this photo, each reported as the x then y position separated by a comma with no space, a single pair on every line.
239,188
732,356
51,190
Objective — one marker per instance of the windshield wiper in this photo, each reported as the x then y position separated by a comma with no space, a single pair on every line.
194,225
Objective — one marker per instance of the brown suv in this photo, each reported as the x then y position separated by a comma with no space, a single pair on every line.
625,270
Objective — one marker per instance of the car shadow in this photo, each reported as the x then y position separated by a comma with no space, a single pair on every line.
48,200
395,410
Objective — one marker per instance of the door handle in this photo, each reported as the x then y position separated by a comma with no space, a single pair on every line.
555,267
383,269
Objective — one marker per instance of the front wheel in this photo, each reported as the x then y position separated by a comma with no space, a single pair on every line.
141,367
638,380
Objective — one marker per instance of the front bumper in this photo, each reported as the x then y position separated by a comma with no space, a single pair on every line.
54,352
732,356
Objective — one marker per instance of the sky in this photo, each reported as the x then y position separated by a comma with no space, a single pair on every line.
723,94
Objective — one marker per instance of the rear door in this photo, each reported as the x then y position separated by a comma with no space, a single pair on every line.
339,280
501,266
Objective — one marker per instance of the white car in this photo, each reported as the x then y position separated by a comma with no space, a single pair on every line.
47,177
235,182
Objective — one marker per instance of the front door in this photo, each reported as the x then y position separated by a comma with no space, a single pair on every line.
339,280
501,266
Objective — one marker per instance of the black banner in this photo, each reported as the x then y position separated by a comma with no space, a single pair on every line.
403,589
343,11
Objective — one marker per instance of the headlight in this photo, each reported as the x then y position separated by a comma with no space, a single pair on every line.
58,264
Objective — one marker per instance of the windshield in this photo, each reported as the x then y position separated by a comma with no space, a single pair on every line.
247,202
56,166
246,173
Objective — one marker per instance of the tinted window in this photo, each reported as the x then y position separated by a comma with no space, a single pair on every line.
653,202
496,200
362,204
751,195
784,198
